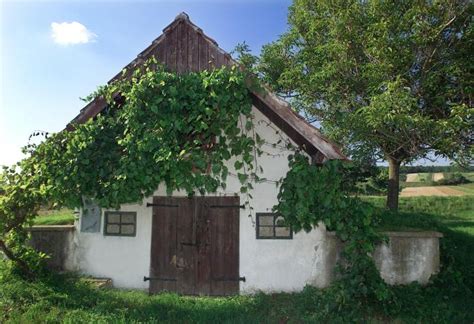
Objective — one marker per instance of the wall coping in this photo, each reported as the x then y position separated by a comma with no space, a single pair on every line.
414,234
51,228
411,234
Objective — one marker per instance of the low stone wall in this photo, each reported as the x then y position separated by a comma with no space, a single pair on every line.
58,242
407,257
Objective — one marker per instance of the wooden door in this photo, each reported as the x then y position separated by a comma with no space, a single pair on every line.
163,272
195,245
224,249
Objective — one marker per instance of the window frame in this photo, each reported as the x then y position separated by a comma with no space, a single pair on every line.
106,222
274,226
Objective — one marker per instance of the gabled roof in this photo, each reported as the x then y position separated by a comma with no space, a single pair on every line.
183,47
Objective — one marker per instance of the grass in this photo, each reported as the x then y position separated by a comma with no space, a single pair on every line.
468,175
467,188
69,299
62,216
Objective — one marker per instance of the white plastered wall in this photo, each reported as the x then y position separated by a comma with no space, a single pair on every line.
268,265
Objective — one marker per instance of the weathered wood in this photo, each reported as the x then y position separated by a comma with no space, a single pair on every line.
182,50
199,247
193,50
224,232
203,53
171,48
203,268
160,51
163,246
185,257
213,54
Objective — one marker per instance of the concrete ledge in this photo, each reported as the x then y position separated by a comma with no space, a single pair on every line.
51,228
428,234
421,234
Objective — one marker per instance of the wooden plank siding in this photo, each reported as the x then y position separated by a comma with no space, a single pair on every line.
186,49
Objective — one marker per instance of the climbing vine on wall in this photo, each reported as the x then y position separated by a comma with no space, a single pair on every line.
159,128
313,194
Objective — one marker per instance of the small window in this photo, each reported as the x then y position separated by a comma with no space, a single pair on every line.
120,223
272,226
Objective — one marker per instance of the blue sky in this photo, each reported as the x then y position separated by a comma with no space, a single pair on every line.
42,80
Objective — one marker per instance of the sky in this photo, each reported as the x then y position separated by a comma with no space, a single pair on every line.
54,53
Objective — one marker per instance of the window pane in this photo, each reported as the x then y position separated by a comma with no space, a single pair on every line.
113,229
265,220
282,231
128,218
265,231
128,229
113,218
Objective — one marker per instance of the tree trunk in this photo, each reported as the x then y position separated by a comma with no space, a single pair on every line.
22,265
393,183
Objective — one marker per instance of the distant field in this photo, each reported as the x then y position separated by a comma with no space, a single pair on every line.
431,178
435,176
431,191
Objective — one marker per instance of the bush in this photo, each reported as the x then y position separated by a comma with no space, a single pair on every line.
452,180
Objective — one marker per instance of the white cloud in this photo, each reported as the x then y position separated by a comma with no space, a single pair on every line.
66,33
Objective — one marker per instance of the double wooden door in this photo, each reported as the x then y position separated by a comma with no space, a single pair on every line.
195,245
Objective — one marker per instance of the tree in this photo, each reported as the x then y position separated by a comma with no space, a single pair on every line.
391,80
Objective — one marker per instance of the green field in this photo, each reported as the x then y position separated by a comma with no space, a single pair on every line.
61,216
65,298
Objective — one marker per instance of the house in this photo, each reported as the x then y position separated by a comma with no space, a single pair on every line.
208,244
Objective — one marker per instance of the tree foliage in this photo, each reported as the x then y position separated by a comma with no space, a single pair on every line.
390,79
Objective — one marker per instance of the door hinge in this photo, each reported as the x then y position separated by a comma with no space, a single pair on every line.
160,205
230,279
228,206
160,279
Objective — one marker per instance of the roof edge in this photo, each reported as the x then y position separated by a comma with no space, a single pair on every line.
279,106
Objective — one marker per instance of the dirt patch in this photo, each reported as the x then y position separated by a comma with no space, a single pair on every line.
438,176
430,191
412,177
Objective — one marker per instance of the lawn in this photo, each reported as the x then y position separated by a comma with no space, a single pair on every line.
65,298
